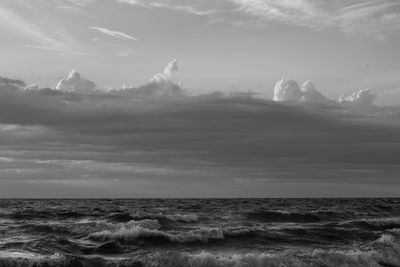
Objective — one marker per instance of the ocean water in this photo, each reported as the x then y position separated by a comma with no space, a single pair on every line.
200,232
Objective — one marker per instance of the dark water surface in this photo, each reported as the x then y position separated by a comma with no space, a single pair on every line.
200,232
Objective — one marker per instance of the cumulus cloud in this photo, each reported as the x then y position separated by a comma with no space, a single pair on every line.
75,82
361,100
361,97
162,84
115,34
169,73
287,90
311,95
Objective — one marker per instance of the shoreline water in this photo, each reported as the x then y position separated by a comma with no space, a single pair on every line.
200,232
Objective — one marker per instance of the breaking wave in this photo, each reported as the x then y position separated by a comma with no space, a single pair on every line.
134,234
383,252
377,224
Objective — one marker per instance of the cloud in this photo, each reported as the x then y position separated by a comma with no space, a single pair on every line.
169,73
21,26
23,20
10,85
299,12
287,90
71,137
361,100
115,34
311,95
74,82
52,49
371,17
378,18
161,85
193,7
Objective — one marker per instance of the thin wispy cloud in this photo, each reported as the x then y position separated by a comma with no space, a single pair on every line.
191,7
20,20
18,25
376,17
57,50
115,34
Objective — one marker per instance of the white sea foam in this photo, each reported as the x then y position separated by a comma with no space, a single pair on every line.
390,222
134,230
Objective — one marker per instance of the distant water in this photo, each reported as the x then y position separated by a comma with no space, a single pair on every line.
200,232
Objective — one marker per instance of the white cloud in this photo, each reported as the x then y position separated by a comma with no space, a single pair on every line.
162,84
169,72
287,90
115,34
361,98
74,82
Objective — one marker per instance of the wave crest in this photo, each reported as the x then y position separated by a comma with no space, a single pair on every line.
148,230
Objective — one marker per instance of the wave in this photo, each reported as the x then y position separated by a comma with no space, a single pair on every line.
384,252
182,217
50,214
120,217
282,216
169,217
149,231
376,224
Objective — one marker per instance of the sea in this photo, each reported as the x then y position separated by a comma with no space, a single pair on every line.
200,232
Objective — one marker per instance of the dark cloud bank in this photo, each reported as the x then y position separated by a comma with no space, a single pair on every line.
154,134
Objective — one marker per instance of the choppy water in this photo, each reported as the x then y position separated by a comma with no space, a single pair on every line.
205,232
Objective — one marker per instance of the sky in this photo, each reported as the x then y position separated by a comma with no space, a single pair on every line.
222,45
149,109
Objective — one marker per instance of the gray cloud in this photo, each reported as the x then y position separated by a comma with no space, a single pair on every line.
65,138
311,95
9,85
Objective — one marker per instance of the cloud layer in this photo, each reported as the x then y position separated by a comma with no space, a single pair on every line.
149,140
